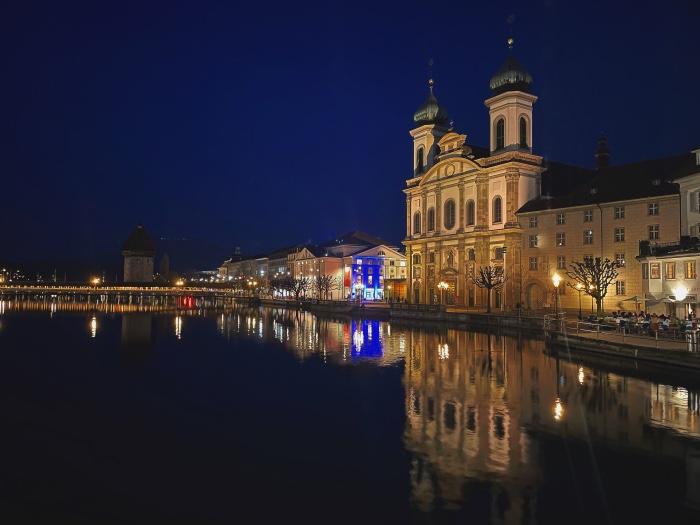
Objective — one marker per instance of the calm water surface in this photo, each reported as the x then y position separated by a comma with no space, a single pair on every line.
265,416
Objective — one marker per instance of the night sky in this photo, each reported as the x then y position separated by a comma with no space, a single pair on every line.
265,124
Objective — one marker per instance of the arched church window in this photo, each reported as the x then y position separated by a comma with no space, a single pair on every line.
419,160
470,213
497,210
416,222
450,214
500,134
523,132
431,219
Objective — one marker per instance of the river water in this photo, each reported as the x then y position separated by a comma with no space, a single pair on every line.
123,415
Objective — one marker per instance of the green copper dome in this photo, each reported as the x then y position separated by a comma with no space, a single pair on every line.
511,76
430,111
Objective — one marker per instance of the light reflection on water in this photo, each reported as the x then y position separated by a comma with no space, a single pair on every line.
483,412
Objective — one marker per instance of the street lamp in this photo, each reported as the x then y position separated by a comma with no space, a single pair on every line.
556,280
358,291
389,288
579,287
442,286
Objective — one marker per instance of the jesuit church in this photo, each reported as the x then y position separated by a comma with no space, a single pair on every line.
505,207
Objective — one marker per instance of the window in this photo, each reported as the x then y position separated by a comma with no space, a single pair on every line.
533,241
472,255
498,253
561,219
588,237
500,134
523,132
561,239
561,262
645,270
588,216
533,222
620,259
419,160
654,270
653,208
450,214
416,223
533,263
620,288
654,232
416,258
670,268
690,270
619,212
431,219
588,257
497,212
470,213
619,235
431,257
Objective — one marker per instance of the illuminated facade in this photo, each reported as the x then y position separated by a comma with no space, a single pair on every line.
461,200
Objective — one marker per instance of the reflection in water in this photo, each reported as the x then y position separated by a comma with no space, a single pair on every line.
495,428
136,340
479,406
93,326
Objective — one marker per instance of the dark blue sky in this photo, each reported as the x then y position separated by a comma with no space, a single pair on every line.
264,124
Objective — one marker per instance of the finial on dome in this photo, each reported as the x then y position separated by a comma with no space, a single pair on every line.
510,43
430,83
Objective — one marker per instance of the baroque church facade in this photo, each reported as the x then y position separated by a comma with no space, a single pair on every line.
461,201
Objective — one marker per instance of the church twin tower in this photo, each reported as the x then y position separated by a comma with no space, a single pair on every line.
461,200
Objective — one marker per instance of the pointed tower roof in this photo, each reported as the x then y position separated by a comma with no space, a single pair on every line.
139,241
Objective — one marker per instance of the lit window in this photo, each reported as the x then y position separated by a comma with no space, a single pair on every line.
620,259
670,270
653,208
561,239
619,235
690,270
561,218
654,232
619,212
655,270
620,288
588,216
588,237
533,241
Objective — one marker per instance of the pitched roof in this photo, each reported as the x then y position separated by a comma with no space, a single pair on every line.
139,241
637,180
354,237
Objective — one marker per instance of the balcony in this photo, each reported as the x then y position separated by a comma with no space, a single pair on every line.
686,245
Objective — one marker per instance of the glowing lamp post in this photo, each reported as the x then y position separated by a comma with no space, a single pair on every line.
680,292
579,287
442,285
358,290
555,281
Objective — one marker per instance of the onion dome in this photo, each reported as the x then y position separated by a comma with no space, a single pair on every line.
430,111
511,76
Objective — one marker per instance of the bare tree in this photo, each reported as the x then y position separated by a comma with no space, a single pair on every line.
491,278
299,286
324,284
596,275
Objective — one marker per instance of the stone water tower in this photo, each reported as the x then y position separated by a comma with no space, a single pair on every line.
139,252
